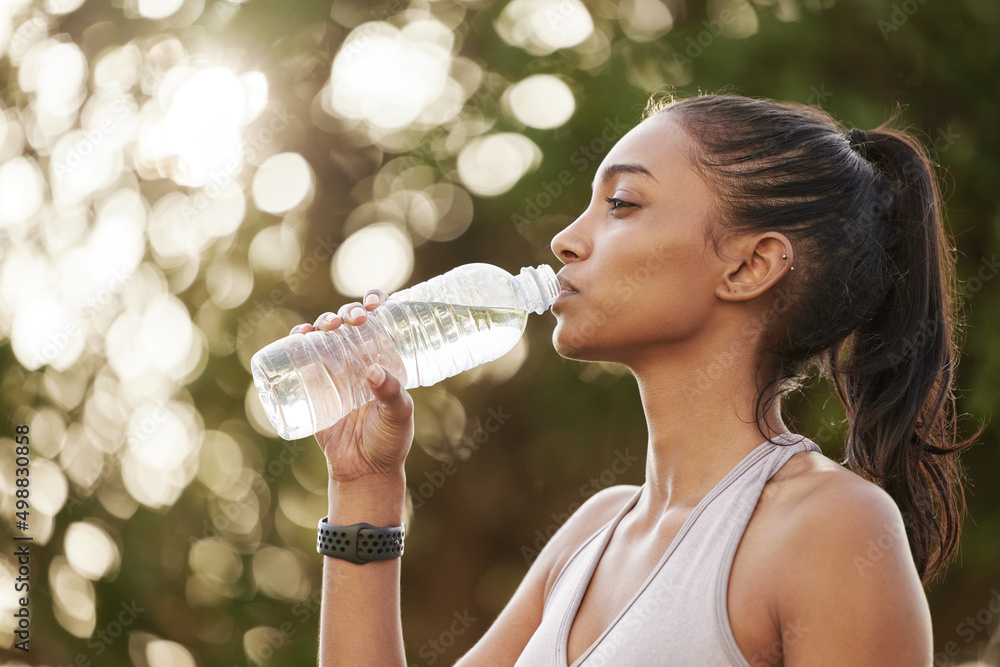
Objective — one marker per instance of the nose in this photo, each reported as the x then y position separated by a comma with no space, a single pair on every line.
569,244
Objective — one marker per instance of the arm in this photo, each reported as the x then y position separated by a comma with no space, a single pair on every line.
360,611
360,620
849,592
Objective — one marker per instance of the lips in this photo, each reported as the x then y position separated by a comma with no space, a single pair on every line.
567,286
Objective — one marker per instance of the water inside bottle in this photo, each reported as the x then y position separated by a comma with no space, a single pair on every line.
302,394
437,340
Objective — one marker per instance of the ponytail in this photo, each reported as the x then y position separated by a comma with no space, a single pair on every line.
894,373
872,298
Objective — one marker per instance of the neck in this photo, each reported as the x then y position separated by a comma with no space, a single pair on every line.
700,412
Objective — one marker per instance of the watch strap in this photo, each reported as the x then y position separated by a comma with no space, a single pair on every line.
360,543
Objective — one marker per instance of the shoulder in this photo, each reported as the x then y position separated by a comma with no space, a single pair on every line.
595,512
839,562
814,501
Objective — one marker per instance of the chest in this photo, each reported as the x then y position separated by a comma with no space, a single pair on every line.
627,563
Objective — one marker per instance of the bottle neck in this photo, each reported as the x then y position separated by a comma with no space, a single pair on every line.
538,287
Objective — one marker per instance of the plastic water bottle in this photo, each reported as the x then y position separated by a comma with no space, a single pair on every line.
448,324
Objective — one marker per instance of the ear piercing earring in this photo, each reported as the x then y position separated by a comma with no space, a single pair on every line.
791,268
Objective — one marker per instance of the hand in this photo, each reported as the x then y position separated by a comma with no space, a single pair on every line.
371,441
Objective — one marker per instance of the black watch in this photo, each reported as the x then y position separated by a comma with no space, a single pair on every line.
360,543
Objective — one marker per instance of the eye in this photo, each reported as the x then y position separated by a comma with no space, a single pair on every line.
619,204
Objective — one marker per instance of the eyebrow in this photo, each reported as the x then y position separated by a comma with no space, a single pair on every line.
612,170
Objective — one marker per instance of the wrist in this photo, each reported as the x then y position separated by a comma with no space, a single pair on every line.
379,501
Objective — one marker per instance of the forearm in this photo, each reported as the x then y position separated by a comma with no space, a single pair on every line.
360,617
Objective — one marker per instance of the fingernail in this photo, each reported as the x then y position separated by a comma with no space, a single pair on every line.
328,317
371,299
358,311
376,375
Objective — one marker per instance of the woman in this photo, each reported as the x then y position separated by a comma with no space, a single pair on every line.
782,243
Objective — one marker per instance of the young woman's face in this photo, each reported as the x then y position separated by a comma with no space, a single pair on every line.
639,256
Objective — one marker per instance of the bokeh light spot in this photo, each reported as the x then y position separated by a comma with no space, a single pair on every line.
90,550
163,653
117,244
62,6
543,26
491,165
80,165
56,72
119,69
42,333
281,183
21,191
388,76
275,250
279,574
215,559
542,101
229,282
204,111
379,255
645,20
73,597
166,334
158,9
49,487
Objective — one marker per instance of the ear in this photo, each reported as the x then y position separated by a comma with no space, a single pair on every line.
754,264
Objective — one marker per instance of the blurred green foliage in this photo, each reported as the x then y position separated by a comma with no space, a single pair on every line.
477,525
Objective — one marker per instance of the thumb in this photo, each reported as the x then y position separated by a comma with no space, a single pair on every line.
393,400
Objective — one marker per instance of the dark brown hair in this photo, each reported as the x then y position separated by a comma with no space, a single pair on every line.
871,302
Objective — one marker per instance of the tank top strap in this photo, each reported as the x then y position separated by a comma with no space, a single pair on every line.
587,555
789,444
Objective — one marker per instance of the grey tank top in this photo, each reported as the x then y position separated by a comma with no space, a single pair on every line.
679,617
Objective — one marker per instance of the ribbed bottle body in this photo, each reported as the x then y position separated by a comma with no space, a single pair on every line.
307,382
438,340
449,324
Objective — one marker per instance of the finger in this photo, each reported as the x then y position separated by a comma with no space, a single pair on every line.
353,313
390,393
301,328
374,298
328,322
